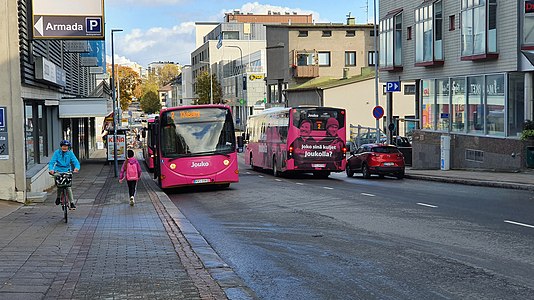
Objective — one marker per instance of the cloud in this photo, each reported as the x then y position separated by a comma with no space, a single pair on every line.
120,60
159,44
263,9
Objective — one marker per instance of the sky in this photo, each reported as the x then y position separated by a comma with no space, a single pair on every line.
164,30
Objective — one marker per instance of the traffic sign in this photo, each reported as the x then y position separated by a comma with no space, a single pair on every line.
378,112
393,86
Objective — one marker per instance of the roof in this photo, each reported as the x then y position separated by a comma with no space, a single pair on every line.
323,83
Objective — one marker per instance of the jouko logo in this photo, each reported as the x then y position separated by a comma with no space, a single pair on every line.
200,164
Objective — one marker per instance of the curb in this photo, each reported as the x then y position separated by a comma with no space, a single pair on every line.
233,286
474,182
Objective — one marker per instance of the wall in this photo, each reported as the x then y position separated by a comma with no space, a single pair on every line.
12,170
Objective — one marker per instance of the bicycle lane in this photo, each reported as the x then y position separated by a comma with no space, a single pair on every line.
107,250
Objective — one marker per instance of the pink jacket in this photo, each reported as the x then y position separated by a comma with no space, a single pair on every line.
133,163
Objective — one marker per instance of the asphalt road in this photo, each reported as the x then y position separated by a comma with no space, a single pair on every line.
351,238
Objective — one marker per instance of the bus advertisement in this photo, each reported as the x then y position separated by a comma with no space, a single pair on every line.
299,139
149,143
196,145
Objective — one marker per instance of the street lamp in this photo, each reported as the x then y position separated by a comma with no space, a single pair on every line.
211,81
115,114
376,71
241,110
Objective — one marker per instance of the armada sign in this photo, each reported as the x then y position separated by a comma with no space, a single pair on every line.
68,19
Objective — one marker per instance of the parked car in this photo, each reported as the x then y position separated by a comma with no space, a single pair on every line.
378,159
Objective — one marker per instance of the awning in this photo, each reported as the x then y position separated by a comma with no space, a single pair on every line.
83,108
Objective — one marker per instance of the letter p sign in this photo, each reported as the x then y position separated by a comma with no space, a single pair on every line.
93,25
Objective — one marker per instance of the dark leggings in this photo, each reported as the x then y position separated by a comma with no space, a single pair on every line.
131,187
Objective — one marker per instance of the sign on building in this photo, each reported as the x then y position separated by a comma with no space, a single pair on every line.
68,19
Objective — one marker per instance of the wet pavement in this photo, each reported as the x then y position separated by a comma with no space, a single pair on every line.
110,250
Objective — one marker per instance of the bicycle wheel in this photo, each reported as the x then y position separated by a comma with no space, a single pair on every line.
65,204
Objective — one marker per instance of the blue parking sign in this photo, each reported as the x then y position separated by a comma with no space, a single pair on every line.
393,86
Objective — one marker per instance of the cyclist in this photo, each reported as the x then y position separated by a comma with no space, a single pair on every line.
61,162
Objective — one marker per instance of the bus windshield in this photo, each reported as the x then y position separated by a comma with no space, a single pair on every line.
195,132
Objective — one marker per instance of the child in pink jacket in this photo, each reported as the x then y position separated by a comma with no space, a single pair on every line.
131,170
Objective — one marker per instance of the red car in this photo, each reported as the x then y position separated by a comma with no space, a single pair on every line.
378,159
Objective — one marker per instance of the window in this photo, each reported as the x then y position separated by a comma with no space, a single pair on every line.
458,113
371,58
327,33
428,35
528,25
428,104
391,41
324,58
442,104
372,32
475,105
303,33
516,103
495,93
409,33
452,23
351,33
479,29
350,58
231,35
409,89
305,59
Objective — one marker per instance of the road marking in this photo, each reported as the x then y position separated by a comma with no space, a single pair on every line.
248,173
520,224
370,195
278,179
299,183
427,205
260,176
328,188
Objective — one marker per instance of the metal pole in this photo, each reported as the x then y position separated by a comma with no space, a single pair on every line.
115,113
211,85
376,71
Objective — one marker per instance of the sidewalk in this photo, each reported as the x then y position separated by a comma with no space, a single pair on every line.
520,180
108,249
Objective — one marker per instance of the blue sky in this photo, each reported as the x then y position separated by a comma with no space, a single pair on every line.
163,30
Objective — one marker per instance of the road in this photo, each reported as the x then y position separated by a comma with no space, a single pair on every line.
351,238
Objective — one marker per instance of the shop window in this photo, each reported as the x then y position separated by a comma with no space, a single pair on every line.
458,113
428,106
390,29
479,29
28,135
443,111
428,35
495,104
475,105
516,103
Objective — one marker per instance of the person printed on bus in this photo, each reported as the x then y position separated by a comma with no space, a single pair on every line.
334,141
304,142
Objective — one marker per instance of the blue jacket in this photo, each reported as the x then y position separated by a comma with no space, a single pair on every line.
63,161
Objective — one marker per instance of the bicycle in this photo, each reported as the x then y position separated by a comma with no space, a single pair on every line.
63,182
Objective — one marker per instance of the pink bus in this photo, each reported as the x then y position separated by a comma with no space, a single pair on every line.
299,139
149,143
196,145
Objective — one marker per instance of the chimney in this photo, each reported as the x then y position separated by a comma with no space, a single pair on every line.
269,12
345,73
351,21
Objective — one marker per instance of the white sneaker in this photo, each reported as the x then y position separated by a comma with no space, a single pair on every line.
132,200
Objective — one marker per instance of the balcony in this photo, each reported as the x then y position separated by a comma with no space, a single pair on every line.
306,71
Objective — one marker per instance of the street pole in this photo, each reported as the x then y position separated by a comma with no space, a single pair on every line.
211,85
241,108
115,113
377,103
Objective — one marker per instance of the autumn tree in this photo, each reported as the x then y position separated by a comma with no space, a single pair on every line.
203,89
150,102
167,73
128,81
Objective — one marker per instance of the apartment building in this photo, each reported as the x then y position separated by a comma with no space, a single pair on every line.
472,62
298,53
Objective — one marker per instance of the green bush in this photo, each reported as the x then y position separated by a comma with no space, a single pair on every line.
528,130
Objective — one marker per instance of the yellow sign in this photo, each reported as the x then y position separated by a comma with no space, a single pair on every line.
189,114
256,76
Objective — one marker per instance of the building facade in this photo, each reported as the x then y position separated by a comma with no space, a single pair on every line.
45,97
472,64
299,53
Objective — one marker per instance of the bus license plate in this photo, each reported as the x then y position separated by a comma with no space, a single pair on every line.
206,180
388,164
318,165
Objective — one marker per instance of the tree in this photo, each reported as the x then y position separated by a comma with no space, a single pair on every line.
167,73
204,91
150,102
129,81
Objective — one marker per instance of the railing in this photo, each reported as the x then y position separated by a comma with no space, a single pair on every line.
306,71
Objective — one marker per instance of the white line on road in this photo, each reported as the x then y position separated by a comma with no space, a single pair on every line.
260,176
427,205
299,183
275,179
248,173
370,195
520,224
328,188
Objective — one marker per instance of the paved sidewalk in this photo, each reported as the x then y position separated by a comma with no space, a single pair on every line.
108,249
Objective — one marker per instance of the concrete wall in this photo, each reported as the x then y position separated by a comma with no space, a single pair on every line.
12,169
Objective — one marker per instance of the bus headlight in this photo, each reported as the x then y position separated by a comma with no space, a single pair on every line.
226,162
172,166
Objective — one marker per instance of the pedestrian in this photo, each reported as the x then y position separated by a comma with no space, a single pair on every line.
64,161
131,170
